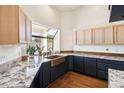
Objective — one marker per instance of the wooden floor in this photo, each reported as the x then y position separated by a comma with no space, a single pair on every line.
75,80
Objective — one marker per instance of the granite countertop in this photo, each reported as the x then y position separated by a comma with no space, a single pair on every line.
21,75
116,78
95,56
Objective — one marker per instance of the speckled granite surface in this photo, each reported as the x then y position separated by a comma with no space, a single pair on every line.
20,76
116,78
95,56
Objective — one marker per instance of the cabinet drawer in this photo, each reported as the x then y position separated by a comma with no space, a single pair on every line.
102,74
105,66
114,62
90,59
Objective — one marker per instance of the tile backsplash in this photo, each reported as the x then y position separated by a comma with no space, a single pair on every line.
100,48
9,52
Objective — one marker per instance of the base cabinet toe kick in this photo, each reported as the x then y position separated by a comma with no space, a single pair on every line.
95,67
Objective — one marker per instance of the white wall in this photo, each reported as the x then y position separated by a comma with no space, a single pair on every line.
67,24
56,47
42,14
91,15
9,52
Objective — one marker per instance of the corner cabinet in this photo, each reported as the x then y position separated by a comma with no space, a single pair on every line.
15,26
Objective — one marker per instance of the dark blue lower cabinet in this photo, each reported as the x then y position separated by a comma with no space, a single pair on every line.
90,66
46,74
54,73
57,71
103,65
78,64
61,69
102,74
69,63
106,64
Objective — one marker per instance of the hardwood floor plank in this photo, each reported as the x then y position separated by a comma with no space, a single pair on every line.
75,80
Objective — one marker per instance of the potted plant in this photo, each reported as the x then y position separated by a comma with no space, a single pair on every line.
30,51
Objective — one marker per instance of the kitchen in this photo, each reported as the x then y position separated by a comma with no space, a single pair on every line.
61,46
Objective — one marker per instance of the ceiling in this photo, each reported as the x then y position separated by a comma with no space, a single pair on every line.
64,8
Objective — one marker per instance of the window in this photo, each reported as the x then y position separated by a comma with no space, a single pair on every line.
43,36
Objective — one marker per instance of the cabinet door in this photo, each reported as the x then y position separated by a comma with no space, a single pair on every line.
88,37
102,74
109,36
80,37
90,66
70,63
28,30
46,74
78,64
54,73
22,27
119,34
61,69
98,36
9,24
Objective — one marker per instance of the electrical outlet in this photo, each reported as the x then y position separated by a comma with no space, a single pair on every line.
107,49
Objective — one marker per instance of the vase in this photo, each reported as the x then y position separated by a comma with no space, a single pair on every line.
31,58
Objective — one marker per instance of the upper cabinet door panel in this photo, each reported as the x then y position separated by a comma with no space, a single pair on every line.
8,24
98,36
28,30
88,36
109,35
119,34
80,37
13,25
22,26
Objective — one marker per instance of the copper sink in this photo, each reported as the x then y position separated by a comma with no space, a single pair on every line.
56,59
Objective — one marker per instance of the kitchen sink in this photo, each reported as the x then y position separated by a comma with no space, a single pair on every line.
56,59
53,56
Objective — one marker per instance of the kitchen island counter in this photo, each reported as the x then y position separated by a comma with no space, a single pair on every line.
21,75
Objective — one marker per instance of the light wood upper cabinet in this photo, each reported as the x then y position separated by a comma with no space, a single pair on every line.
88,36
12,25
108,35
112,34
9,24
80,37
84,37
98,36
22,26
119,34
28,30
